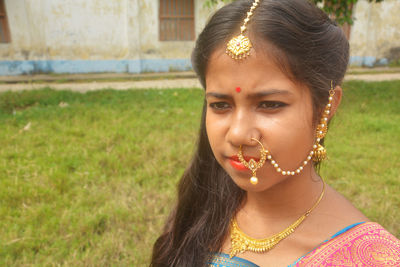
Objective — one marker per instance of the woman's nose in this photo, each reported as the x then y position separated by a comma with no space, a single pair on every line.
242,129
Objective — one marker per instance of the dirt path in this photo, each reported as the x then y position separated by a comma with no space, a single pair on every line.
91,86
373,77
158,84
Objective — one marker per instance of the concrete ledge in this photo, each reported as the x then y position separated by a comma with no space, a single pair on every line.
95,77
368,61
44,69
17,67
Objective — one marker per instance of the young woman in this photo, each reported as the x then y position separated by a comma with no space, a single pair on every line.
272,71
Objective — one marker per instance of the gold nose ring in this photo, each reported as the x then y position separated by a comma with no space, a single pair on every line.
252,164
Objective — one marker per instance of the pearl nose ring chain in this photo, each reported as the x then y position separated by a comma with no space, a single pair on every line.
317,154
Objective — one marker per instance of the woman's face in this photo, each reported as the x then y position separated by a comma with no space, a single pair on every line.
253,98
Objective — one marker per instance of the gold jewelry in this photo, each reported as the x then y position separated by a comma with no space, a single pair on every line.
318,152
241,242
252,164
322,128
239,46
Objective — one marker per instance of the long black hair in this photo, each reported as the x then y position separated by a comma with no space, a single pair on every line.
312,50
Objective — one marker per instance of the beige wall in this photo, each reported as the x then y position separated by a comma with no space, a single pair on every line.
122,36
91,29
52,29
375,35
63,36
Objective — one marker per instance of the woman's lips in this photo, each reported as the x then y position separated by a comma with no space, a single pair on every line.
236,164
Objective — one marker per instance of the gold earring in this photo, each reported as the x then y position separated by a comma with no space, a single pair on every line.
253,165
319,152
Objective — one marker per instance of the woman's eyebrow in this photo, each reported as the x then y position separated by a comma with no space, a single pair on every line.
269,92
253,95
218,95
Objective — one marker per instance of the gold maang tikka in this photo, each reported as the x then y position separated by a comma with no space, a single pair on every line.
317,154
252,164
239,46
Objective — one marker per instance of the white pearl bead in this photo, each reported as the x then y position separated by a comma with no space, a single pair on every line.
254,180
308,157
278,170
329,105
305,162
330,98
276,165
301,168
292,173
318,139
269,157
283,172
312,153
272,161
298,170
314,146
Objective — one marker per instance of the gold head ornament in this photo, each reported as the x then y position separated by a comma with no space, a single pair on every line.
239,46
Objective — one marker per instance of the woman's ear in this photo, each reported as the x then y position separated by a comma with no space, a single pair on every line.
337,97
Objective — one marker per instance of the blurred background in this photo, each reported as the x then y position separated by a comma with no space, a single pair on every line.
138,36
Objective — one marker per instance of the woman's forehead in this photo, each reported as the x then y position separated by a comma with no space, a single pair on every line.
259,69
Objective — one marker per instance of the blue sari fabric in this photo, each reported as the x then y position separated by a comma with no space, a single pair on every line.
223,260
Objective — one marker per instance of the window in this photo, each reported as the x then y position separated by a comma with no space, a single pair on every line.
176,20
4,31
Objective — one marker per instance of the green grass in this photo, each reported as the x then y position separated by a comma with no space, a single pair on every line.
91,183
364,150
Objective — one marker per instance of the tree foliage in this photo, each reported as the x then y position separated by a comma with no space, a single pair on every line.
340,10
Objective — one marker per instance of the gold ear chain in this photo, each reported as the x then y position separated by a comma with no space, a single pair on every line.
317,154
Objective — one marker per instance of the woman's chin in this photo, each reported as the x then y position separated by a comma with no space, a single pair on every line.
262,183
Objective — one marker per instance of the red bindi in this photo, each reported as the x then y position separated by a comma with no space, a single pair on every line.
238,89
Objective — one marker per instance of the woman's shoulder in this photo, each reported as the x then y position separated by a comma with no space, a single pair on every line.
338,212
365,244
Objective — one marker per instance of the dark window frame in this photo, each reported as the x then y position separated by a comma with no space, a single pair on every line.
4,29
176,20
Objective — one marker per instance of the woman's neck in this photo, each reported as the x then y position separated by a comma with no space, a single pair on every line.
270,210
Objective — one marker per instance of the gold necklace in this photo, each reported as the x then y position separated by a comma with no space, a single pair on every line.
241,242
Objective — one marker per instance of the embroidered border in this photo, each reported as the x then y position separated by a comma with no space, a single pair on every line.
366,244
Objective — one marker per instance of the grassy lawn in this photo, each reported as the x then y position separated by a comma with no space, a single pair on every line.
88,179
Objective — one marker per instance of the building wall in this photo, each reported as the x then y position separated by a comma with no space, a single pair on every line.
76,36
375,35
44,29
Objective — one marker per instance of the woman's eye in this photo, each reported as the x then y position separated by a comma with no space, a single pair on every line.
272,105
219,105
